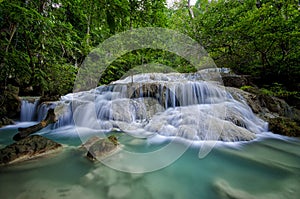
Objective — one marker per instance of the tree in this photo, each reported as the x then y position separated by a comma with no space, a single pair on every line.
250,39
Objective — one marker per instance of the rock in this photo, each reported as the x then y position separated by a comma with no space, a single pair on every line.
6,121
13,89
236,81
282,118
250,98
27,148
148,90
10,105
284,126
262,104
49,98
225,191
24,132
99,148
43,188
119,191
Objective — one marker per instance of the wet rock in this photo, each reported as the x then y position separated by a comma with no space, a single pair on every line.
6,121
225,191
99,148
40,188
49,98
284,126
283,119
24,132
27,148
119,191
236,81
10,105
251,99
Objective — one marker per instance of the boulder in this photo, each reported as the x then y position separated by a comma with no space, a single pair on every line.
10,105
27,148
283,119
284,126
5,121
236,81
49,98
99,148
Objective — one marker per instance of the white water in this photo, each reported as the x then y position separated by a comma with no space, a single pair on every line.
267,167
28,110
173,105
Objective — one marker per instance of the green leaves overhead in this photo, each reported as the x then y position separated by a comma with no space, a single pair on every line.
263,42
44,42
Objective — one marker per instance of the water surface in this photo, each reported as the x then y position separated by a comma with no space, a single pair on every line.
268,167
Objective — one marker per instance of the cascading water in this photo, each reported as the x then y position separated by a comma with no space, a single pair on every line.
168,106
28,110
177,105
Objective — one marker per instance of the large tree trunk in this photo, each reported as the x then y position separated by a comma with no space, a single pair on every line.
24,132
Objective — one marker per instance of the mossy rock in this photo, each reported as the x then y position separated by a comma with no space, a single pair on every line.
49,98
10,105
27,148
284,126
99,148
5,121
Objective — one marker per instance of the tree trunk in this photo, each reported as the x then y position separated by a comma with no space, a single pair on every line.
24,132
190,10
13,29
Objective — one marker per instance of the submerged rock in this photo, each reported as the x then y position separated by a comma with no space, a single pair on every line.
27,148
43,188
225,191
119,191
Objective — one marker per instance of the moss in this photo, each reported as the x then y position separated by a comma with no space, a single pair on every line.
249,89
113,139
284,126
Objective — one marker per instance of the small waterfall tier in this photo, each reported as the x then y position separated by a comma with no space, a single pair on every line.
28,109
172,105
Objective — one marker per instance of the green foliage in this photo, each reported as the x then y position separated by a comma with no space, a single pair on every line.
262,42
44,43
145,61
278,90
247,88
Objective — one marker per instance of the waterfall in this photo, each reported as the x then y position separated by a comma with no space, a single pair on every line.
176,105
43,108
28,109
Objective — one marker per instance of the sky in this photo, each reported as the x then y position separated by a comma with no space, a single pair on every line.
170,2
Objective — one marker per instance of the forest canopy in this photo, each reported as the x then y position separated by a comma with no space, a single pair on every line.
44,42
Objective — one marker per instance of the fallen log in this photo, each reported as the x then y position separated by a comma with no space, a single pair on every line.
24,132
